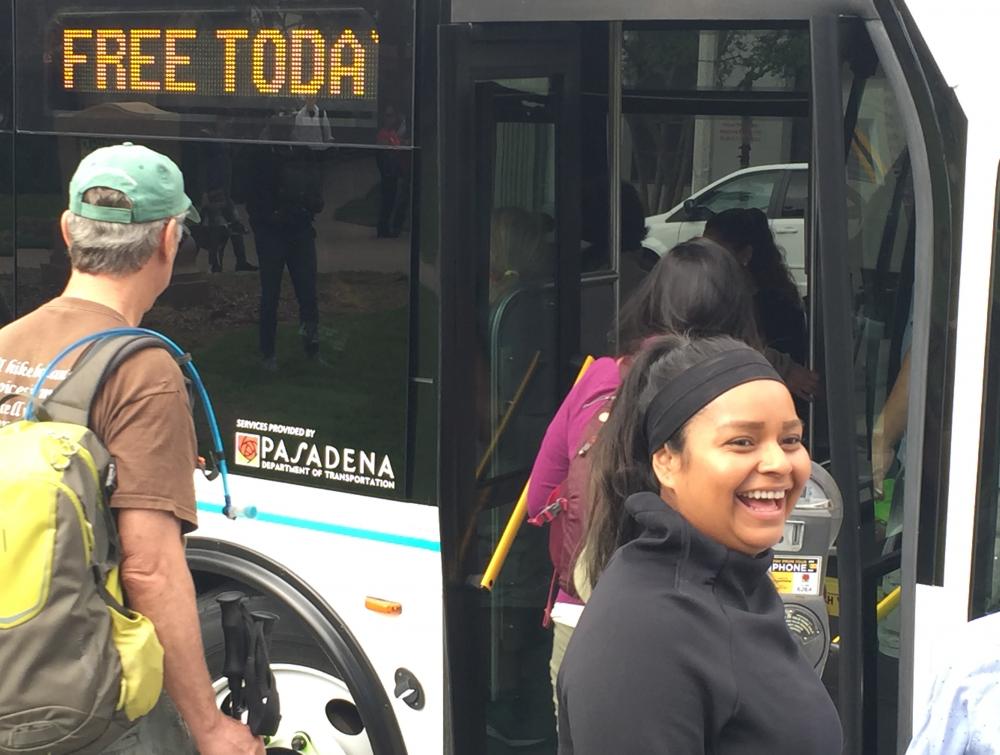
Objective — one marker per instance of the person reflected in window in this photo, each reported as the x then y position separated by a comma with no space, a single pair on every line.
517,257
283,198
311,124
517,250
683,646
220,221
392,167
781,317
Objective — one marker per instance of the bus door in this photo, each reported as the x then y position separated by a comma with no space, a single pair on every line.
881,344
508,123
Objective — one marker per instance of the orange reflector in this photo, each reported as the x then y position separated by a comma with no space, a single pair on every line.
383,606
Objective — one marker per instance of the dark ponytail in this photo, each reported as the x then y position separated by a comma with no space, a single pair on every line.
622,465
697,288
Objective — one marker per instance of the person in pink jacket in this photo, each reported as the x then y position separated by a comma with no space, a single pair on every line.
697,288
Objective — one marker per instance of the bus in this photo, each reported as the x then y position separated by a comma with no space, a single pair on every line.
452,189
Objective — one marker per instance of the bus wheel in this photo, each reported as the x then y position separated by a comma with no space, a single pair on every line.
318,714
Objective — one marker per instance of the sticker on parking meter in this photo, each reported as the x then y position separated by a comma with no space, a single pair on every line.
797,575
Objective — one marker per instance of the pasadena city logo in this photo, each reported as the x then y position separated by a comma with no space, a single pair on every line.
247,446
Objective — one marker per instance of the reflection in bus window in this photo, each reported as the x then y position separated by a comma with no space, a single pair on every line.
670,155
305,358
771,60
518,308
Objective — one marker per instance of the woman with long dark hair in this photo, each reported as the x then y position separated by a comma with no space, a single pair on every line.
683,647
696,288
781,317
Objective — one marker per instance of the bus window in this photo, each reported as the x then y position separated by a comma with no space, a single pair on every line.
690,157
986,557
288,294
517,304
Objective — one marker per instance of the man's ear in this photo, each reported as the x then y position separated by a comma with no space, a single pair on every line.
64,227
666,464
171,241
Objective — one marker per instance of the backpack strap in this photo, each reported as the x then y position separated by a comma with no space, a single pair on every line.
72,399
71,402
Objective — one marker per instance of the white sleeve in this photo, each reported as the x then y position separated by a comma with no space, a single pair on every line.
944,729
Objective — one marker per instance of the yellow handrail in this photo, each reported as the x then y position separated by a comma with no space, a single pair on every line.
515,521
883,608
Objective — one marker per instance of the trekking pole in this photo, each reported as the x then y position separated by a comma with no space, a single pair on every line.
234,637
261,693
516,519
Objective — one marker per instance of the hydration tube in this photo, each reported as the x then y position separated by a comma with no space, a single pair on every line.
218,451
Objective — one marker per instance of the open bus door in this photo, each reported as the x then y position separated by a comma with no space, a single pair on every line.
508,141
882,201
876,316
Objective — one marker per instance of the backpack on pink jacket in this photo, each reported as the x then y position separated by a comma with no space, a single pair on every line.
567,506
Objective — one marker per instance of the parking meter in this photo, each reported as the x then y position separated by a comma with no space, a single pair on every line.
800,564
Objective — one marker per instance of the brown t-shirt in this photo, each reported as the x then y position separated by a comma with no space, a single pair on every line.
141,414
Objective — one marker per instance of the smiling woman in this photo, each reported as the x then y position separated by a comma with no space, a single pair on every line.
742,467
685,633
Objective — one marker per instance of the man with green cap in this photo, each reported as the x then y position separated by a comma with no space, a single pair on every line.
125,221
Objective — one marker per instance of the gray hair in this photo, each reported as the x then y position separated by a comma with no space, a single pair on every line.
100,247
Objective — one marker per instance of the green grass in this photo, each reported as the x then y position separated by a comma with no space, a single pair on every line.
356,400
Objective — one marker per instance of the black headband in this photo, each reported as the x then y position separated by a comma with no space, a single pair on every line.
684,397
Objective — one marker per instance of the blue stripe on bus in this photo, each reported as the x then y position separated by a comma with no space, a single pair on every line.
335,529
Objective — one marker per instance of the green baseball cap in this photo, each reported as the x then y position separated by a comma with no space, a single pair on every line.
151,181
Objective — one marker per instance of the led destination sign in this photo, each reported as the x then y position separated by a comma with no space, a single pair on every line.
221,60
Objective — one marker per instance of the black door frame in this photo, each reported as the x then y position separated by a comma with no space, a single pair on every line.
469,53
829,237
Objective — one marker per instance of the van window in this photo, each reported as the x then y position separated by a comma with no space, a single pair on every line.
796,195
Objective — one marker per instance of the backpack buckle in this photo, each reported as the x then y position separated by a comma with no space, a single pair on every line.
110,480
209,467
547,514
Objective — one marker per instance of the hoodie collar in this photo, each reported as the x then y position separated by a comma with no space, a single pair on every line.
699,558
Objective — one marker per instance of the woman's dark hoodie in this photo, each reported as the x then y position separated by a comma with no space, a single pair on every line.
683,649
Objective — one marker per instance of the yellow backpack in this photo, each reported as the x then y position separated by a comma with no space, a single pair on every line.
78,668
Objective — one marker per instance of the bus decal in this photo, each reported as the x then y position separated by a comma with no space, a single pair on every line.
361,533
